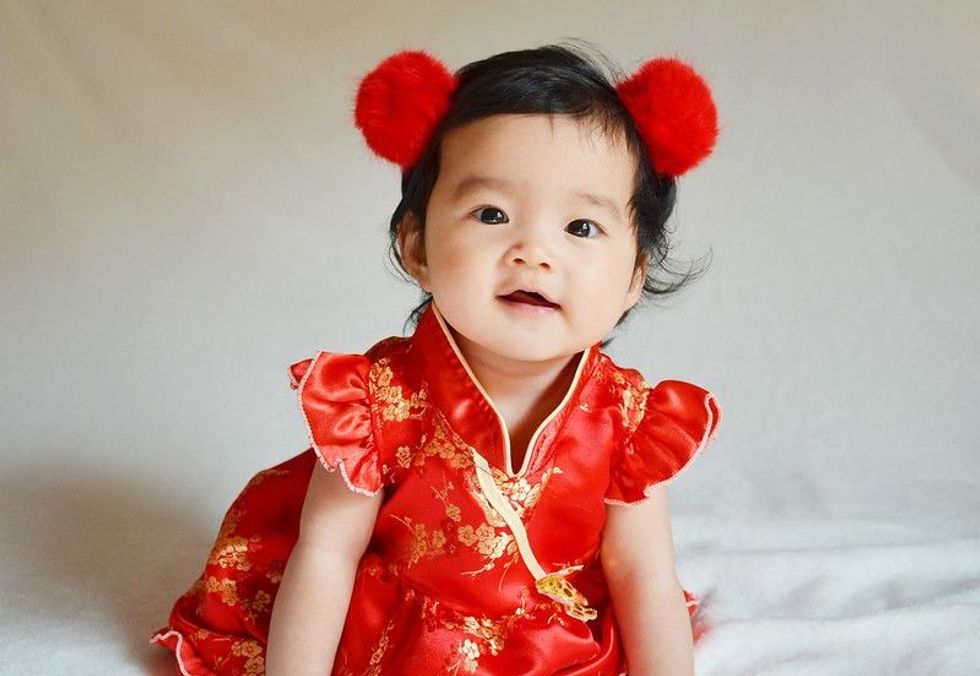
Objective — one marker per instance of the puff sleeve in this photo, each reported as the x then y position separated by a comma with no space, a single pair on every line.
334,400
674,421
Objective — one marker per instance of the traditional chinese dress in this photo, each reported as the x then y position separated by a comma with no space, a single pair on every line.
474,566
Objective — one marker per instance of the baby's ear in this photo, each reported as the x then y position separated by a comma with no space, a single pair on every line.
636,283
411,248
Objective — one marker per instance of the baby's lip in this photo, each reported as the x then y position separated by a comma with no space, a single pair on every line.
525,292
529,288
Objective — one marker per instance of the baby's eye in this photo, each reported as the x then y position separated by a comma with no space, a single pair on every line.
576,227
492,210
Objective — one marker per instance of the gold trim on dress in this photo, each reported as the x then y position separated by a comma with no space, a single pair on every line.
553,585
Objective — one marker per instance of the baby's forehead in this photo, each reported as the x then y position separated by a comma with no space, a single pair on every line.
586,128
557,153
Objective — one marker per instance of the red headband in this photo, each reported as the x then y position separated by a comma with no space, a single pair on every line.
401,102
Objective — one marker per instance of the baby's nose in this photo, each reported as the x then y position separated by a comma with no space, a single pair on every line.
533,256
530,249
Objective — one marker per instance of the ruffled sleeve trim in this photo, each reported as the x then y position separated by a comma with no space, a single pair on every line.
333,397
676,421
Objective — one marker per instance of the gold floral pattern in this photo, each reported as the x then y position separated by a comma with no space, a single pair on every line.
377,654
490,538
274,571
491,634
492,545
389,399
423,542
632,398
252,651
469,653
229,550
453,512
261,602
374,664
483,635
404,456
519,491
484,539
445,444
227,588
232,552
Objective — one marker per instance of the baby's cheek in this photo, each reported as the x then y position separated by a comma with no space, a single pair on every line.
450,273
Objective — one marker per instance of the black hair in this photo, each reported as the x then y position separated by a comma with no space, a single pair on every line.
556,79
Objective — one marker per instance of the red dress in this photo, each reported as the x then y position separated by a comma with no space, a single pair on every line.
444,586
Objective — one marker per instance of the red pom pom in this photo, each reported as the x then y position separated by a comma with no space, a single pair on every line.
400,103
674,113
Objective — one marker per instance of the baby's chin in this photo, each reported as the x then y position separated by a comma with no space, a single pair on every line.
514,344
531,354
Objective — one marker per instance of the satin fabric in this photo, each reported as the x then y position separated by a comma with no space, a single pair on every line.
442,587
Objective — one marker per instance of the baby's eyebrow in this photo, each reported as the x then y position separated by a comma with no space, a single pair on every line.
599,201
476,181
473,182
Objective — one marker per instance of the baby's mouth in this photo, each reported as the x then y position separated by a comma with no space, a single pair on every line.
529,297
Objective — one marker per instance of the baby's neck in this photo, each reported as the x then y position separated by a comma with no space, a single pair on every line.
511,379
524,393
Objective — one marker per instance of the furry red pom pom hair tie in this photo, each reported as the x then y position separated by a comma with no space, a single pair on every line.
401,102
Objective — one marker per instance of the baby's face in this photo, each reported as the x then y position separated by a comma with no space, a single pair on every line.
525,227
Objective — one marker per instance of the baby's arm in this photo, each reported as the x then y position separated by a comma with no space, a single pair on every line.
311,605
638,560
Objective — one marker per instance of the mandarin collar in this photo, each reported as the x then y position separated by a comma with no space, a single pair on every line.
455,390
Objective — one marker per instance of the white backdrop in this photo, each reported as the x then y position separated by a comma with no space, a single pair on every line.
186,208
